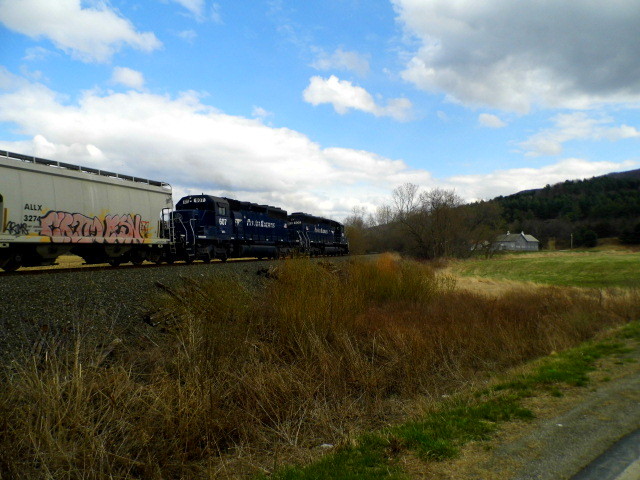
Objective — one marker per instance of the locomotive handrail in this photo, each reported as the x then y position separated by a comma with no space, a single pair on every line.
70,166
192,221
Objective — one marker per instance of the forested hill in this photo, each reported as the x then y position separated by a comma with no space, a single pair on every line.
608,205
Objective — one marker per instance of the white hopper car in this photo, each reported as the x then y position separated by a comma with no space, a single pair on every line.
50,208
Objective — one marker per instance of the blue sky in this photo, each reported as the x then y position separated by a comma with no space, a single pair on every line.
324,106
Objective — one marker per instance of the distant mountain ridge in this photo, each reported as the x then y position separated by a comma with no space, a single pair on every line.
628,174
622,175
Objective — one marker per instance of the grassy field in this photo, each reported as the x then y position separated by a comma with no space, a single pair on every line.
249,380
595,268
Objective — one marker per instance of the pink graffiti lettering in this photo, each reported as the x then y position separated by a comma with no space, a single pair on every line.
78,228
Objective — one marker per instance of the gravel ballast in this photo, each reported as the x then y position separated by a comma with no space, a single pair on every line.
39,308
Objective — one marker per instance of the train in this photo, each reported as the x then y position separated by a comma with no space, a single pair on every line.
50,208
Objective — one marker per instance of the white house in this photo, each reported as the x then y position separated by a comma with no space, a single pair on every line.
517,242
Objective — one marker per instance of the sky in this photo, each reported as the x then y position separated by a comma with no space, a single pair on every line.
325,105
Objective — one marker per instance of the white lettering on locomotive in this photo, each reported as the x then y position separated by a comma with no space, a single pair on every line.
260,224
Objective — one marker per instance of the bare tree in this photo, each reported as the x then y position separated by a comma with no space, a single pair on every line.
428,224
410,217
357,218
484,221
384,215
405,199
438,224
355,228
444,224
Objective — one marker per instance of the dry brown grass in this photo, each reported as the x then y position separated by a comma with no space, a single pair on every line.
317,354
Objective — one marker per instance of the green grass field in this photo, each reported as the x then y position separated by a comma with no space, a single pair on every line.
597,268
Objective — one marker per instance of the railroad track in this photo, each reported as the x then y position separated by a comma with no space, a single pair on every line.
56,269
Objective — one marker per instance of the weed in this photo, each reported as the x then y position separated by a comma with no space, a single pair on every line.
443,431
370,459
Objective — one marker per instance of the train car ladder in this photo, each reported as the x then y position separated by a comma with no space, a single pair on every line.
169,228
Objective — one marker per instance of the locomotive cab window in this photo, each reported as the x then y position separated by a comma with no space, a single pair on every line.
222,211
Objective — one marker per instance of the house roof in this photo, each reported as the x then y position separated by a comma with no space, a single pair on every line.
512,237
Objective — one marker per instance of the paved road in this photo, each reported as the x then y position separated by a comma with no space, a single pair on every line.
573,437
619,462
560,447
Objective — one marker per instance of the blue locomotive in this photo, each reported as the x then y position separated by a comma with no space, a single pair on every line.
317,236
205,227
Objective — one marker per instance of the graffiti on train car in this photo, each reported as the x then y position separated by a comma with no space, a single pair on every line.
78,228
14,228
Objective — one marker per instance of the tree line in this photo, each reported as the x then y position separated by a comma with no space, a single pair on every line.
425,224
578,212
437,223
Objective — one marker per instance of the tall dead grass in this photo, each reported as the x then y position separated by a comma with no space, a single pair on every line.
310,357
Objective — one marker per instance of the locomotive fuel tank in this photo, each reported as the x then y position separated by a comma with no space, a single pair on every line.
49,208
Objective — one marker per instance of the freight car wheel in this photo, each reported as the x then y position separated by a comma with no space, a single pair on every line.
137,257
115,262
137,260
13,263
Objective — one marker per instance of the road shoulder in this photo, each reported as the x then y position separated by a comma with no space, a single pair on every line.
569,431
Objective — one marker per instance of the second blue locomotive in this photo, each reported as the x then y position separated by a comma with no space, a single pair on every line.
205,227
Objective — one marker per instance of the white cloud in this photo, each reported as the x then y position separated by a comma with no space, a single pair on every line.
127,77
216,16
343,95
195,7
342,60
575,126
197,149
198,10
442,116
512,55
490,121
506,182
89,34
188,35
37,53
259,112
36,75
